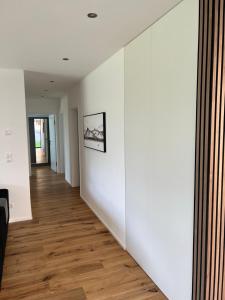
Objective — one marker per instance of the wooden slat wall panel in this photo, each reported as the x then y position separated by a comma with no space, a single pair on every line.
208,260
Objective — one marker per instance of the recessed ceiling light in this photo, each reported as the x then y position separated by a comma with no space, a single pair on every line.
51,81
65,58
92,15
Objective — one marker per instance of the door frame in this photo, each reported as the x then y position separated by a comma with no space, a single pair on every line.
31,146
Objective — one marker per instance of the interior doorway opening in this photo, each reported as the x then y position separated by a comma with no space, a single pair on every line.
39,141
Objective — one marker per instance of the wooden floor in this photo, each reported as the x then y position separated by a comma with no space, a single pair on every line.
66,253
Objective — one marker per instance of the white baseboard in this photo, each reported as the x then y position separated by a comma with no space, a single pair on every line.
23,219
103,221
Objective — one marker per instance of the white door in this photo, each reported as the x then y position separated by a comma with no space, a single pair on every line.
52,138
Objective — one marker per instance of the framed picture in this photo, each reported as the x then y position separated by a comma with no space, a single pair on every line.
95,131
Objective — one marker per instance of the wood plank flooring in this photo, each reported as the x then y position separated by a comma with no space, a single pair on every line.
66,253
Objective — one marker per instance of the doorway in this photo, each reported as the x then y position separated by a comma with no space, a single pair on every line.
39,141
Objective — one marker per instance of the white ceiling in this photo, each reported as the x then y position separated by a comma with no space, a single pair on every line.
38,85
35,35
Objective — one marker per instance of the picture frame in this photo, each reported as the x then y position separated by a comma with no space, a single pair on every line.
94,130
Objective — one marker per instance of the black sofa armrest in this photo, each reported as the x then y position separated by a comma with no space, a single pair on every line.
3,239
4,193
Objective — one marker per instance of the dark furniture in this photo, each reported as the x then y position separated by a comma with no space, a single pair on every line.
4,221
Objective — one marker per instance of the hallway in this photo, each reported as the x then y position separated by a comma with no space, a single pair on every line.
66,253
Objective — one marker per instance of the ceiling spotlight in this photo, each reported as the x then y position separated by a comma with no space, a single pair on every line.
51,81
92,15
65,58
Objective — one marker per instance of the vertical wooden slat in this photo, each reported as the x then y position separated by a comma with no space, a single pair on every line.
196,209
201,152
222,195
211,163
215,157
209,224
206,145
221,291
222,240
220,151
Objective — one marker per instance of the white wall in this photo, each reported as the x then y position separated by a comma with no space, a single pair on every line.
53,142
14,175
64,111
74,136
74,147
103,174
68,124
160,100
61,155
42,106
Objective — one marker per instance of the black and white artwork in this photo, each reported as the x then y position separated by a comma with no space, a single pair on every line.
95,132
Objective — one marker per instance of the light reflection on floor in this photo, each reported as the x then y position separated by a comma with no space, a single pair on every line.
41,157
